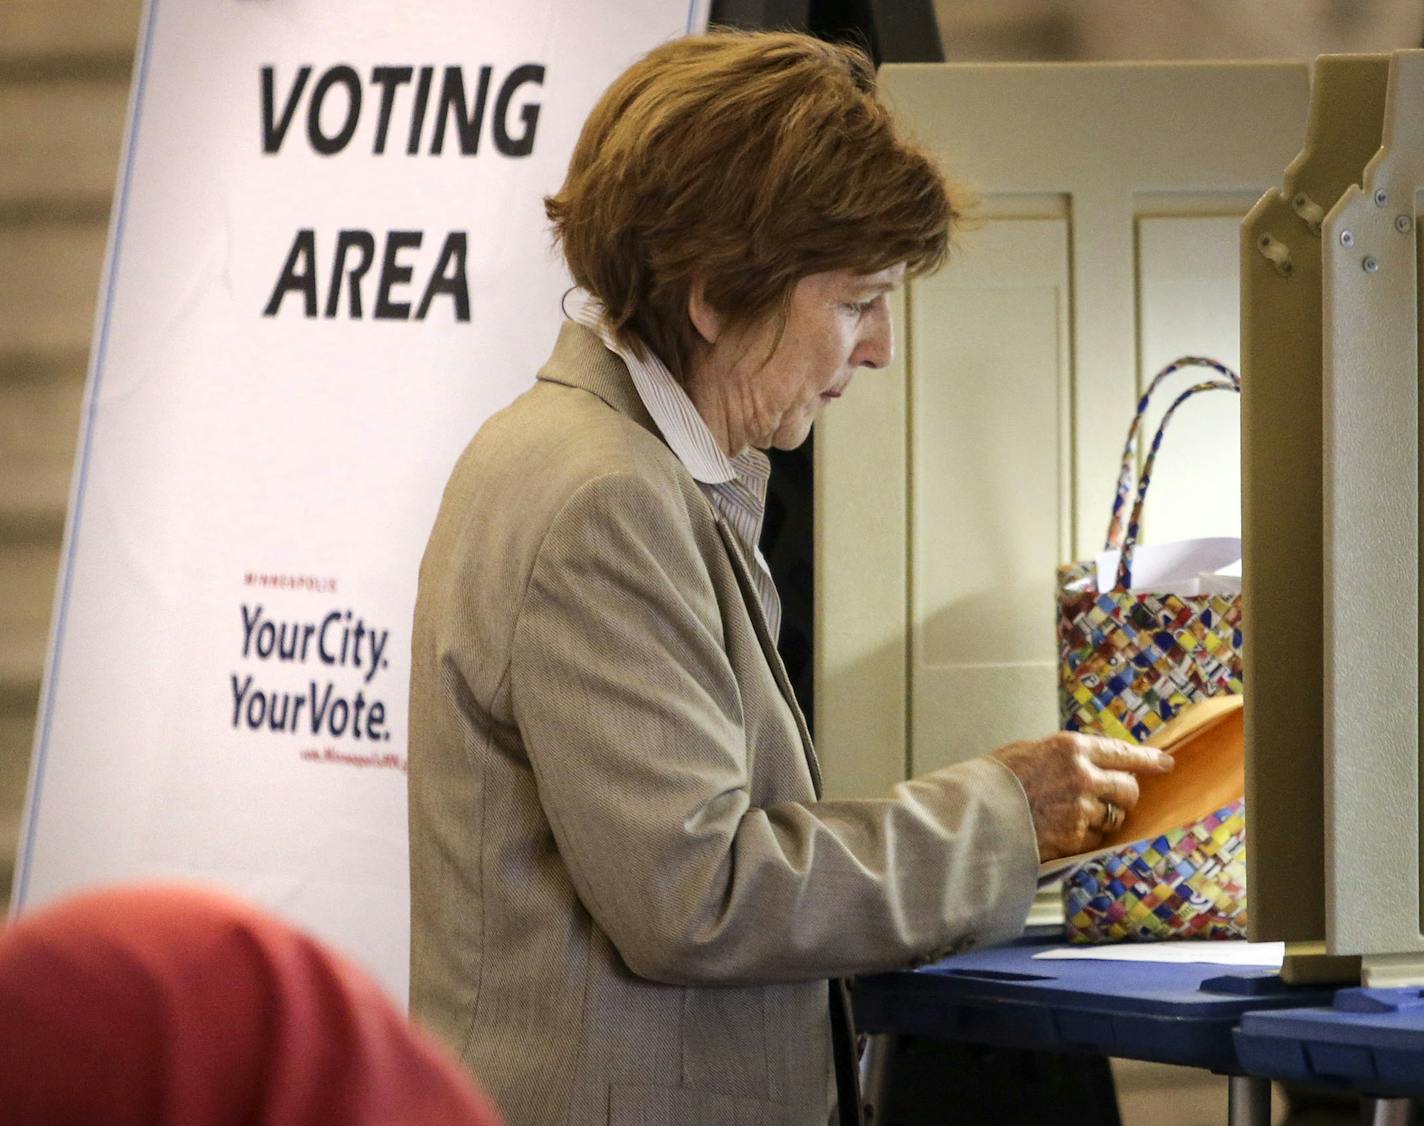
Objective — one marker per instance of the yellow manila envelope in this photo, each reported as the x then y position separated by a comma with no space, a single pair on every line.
1208,741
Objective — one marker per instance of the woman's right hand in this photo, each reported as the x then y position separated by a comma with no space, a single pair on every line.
1079,787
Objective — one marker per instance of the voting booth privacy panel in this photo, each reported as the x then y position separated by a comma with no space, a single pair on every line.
1330,273
951,486
328,263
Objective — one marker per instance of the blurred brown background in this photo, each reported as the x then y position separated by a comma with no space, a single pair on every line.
64,70
64,73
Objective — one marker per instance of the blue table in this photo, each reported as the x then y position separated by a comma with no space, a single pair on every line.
1369,1041
1164,1013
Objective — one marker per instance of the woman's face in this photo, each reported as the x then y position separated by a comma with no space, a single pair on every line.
837,321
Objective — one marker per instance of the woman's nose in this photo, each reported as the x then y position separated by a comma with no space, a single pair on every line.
877,347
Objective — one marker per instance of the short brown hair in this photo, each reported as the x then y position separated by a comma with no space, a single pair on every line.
751,159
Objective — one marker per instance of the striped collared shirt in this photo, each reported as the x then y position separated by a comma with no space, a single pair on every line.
736,486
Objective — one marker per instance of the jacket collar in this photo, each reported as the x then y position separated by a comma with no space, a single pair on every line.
580,360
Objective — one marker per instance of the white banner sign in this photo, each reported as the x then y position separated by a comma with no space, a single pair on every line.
328,265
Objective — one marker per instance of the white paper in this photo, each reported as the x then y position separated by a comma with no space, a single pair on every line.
1224,580
1228,953
1177,567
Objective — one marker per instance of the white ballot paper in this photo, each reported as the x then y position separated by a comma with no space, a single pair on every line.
1181,567
1231,952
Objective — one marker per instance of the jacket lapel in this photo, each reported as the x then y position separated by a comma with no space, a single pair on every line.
581,360
768,646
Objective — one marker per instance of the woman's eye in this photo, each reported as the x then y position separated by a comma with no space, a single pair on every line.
859,308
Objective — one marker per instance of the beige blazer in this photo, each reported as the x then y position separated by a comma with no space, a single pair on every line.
625,894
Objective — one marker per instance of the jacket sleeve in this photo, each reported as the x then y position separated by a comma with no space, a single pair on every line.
631,716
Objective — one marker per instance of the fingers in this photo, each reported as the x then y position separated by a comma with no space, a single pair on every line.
1069,779
1100,815
1113,754
1116,786
1093,822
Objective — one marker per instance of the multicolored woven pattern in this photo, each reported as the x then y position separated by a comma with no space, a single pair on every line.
1190,883
1129,448
1127,664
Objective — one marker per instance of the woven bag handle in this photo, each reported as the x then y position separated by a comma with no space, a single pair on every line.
1124,567
1113,540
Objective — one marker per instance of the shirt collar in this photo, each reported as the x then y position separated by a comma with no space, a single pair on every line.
683,428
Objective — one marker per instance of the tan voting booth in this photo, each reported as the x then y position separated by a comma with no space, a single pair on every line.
1129,214
1332,496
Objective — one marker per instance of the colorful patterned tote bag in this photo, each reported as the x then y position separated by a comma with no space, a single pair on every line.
1128,662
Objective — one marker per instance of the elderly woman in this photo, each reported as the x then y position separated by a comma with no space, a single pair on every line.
627,893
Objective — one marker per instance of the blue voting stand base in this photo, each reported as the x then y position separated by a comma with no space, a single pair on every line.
1370,1041
1074,1012
1167,1013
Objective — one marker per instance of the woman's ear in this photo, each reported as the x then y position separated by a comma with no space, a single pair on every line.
705,319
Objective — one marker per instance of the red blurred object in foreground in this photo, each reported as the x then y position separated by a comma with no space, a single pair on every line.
172,1005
